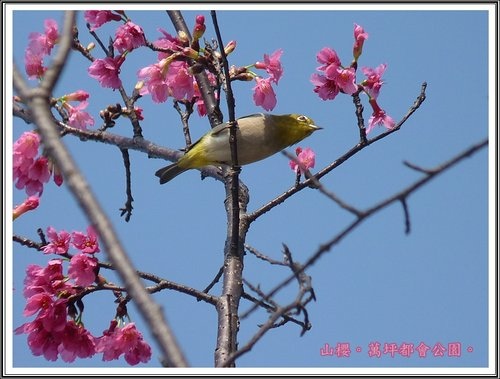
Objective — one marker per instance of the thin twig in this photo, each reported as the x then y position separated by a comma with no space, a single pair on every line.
127,208
264,257
316,184
214,281
406,214
359,116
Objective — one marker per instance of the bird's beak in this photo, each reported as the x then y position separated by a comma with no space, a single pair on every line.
315,127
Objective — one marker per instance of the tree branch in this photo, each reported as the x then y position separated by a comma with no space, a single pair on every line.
236,202
354,150
402,195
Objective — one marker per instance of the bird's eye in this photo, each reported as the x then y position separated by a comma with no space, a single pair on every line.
302,118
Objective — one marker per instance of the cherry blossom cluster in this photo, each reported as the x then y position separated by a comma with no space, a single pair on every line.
56,301
336,78
32,170
179,58
75,115
40,45
264,94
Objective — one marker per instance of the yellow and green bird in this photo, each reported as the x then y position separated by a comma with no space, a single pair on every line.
258,137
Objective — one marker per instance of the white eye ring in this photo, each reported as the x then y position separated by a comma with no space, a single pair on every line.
302,118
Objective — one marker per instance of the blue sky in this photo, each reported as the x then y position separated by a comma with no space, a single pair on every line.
378,284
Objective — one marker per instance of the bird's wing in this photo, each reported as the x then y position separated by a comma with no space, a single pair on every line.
253,115
214,131
219,128
224,126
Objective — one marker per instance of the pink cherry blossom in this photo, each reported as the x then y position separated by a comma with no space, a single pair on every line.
127,340
106,343
59,242
33,65
141,352
306,159
32,177
82,269
359,38
106,71
39,170
26,146
76,341
98,18
155,82
272,65
54,316
328,57
264,95
326,89
379,117
129,36
39,46
37,302
42,44
78,118
51,33
167,42
40,340
345,78
180,81
86,243
373,81
48,279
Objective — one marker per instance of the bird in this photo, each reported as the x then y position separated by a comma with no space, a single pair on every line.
258,136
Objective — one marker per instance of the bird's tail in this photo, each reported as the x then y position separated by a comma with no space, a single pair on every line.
169,172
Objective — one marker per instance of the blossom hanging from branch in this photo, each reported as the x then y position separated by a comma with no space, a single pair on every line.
336,78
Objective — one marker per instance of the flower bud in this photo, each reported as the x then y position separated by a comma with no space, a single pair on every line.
29,204
230,47
139,85
79,95
199,30
245,76
90,46
200,19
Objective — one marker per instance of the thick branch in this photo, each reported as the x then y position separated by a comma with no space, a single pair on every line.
38,101
236,202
